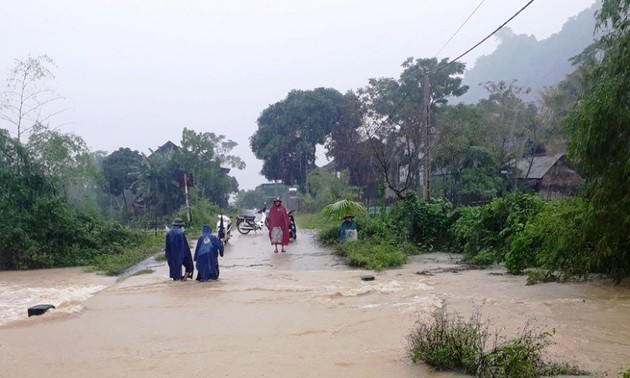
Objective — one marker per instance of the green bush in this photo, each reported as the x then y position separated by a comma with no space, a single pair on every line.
553,240
125,257
490,228
372,254
462,233
329,235
377,248
202,212
420,222
451,343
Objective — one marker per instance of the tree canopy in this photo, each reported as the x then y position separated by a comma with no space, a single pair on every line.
600,142
290,130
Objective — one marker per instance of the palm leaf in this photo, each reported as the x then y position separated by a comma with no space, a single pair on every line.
342,208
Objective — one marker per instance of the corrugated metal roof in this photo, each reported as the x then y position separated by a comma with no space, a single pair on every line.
540,166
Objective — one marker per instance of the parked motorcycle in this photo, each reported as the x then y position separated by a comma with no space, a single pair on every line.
247,223
224,228
292,226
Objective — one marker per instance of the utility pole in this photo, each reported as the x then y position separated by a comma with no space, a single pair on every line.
186,192
426,98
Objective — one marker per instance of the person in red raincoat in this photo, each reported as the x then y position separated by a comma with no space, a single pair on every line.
278,225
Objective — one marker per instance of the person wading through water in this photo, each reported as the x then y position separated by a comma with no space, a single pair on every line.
207,252
177,252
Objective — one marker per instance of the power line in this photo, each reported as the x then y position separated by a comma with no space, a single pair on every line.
483,40
459,57
460,28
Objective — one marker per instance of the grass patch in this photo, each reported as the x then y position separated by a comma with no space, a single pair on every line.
312,221
452,343
115,264
372,255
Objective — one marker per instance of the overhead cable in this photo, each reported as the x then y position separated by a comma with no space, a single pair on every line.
460,28
483,40
459,57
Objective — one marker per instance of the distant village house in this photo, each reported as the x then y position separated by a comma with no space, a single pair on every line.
550,176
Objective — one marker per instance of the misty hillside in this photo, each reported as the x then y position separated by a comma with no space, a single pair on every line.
534,64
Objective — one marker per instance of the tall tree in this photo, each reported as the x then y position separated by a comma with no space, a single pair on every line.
558,101
600,143
394,114
23,104
67,162
349,147
118,168
465,169
506,116
156,188
290,130
207,156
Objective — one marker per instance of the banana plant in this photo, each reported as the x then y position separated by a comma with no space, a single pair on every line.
342,208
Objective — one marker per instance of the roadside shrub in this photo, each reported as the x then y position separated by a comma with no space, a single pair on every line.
449,343
464,220
378,228
452,343
126,257
423,223
329,235
372,254
491,227
517,357
203,212
553,240
51,233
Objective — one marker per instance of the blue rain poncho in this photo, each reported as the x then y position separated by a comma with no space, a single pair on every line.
177,253
207,255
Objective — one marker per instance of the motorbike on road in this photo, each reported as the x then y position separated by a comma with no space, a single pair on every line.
292,226
247,223
224,228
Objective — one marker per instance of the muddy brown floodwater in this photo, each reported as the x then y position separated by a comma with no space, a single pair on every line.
297,314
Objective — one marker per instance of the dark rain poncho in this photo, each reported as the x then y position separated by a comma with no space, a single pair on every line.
207,255
177,253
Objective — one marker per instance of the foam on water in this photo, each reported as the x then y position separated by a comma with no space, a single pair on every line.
15,300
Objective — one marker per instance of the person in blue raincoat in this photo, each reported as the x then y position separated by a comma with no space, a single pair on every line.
207,255
177,252
348,229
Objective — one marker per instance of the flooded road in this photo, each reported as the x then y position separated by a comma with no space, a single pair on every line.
299,314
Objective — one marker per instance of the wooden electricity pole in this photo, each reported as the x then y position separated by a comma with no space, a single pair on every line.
426,98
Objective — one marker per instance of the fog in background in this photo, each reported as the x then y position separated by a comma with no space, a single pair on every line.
135,73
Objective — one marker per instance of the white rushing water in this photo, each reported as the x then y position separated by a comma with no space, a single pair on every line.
16,300
65,288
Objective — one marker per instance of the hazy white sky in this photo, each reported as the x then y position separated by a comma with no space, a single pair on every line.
134,73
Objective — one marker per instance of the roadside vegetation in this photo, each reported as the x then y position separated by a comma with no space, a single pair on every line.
450,342
114,264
